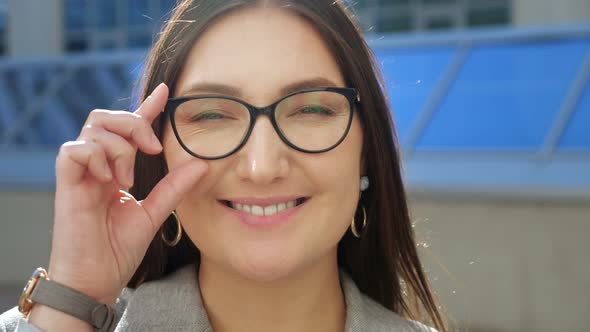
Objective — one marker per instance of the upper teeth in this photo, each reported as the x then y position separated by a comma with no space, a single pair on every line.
263,211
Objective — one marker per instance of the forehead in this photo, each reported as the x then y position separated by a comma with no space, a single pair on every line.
258,50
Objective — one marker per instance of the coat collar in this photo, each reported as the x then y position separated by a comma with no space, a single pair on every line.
173,303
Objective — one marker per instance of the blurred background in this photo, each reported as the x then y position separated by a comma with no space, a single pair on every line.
492,104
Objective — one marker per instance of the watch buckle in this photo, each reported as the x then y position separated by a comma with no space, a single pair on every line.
24,303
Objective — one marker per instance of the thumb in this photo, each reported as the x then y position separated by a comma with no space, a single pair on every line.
168,193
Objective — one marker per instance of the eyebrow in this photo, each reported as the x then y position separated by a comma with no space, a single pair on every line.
234,91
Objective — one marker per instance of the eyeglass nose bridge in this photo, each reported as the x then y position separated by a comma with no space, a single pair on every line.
266,110
255,112
269,111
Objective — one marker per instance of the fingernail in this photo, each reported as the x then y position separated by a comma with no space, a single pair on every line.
154,93
157,89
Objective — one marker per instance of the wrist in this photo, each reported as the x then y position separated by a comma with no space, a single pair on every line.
85,287
49,319
53,305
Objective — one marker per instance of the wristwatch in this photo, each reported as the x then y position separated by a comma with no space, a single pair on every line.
40,289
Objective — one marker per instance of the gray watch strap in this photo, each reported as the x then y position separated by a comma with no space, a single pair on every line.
52,294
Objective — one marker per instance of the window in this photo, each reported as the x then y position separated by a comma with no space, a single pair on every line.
3,23
406,15
112,24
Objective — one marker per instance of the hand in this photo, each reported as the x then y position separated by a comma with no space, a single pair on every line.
100,232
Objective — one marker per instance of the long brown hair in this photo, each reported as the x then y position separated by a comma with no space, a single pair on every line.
385,257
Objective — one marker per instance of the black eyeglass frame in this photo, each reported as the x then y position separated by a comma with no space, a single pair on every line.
172,104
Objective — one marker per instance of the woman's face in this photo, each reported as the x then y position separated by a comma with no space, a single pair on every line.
259,51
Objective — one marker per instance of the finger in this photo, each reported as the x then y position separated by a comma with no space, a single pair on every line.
168,193
119,152
154,104
125,124
76,158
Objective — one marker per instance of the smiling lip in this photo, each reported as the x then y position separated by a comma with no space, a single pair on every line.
263,201
255,221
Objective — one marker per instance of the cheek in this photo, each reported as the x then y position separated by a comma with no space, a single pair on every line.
196,197
337,175
343,167
173,152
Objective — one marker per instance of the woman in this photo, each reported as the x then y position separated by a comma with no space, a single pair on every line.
290,217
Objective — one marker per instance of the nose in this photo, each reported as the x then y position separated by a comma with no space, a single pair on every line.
263,159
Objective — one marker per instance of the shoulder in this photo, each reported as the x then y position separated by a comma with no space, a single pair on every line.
365,314
13,321
9,320
382,319
170,303
178,286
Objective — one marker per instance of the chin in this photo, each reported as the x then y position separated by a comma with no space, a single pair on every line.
266,266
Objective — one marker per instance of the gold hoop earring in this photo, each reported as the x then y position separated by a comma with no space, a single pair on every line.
355,232
178,234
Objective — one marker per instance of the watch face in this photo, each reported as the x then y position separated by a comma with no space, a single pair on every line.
24,303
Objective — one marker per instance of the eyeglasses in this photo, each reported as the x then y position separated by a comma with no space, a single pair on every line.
214,126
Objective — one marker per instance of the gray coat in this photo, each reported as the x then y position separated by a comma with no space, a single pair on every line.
173,304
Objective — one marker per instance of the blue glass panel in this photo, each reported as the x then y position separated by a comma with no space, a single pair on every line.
577,132
139,40
107,14
75,14
138,12
506,96
3,20
167,5
410,75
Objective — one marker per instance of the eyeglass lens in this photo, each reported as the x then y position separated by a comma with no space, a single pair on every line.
311,121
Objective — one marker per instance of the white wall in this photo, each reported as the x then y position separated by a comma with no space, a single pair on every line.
509,266
35,27
536,12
